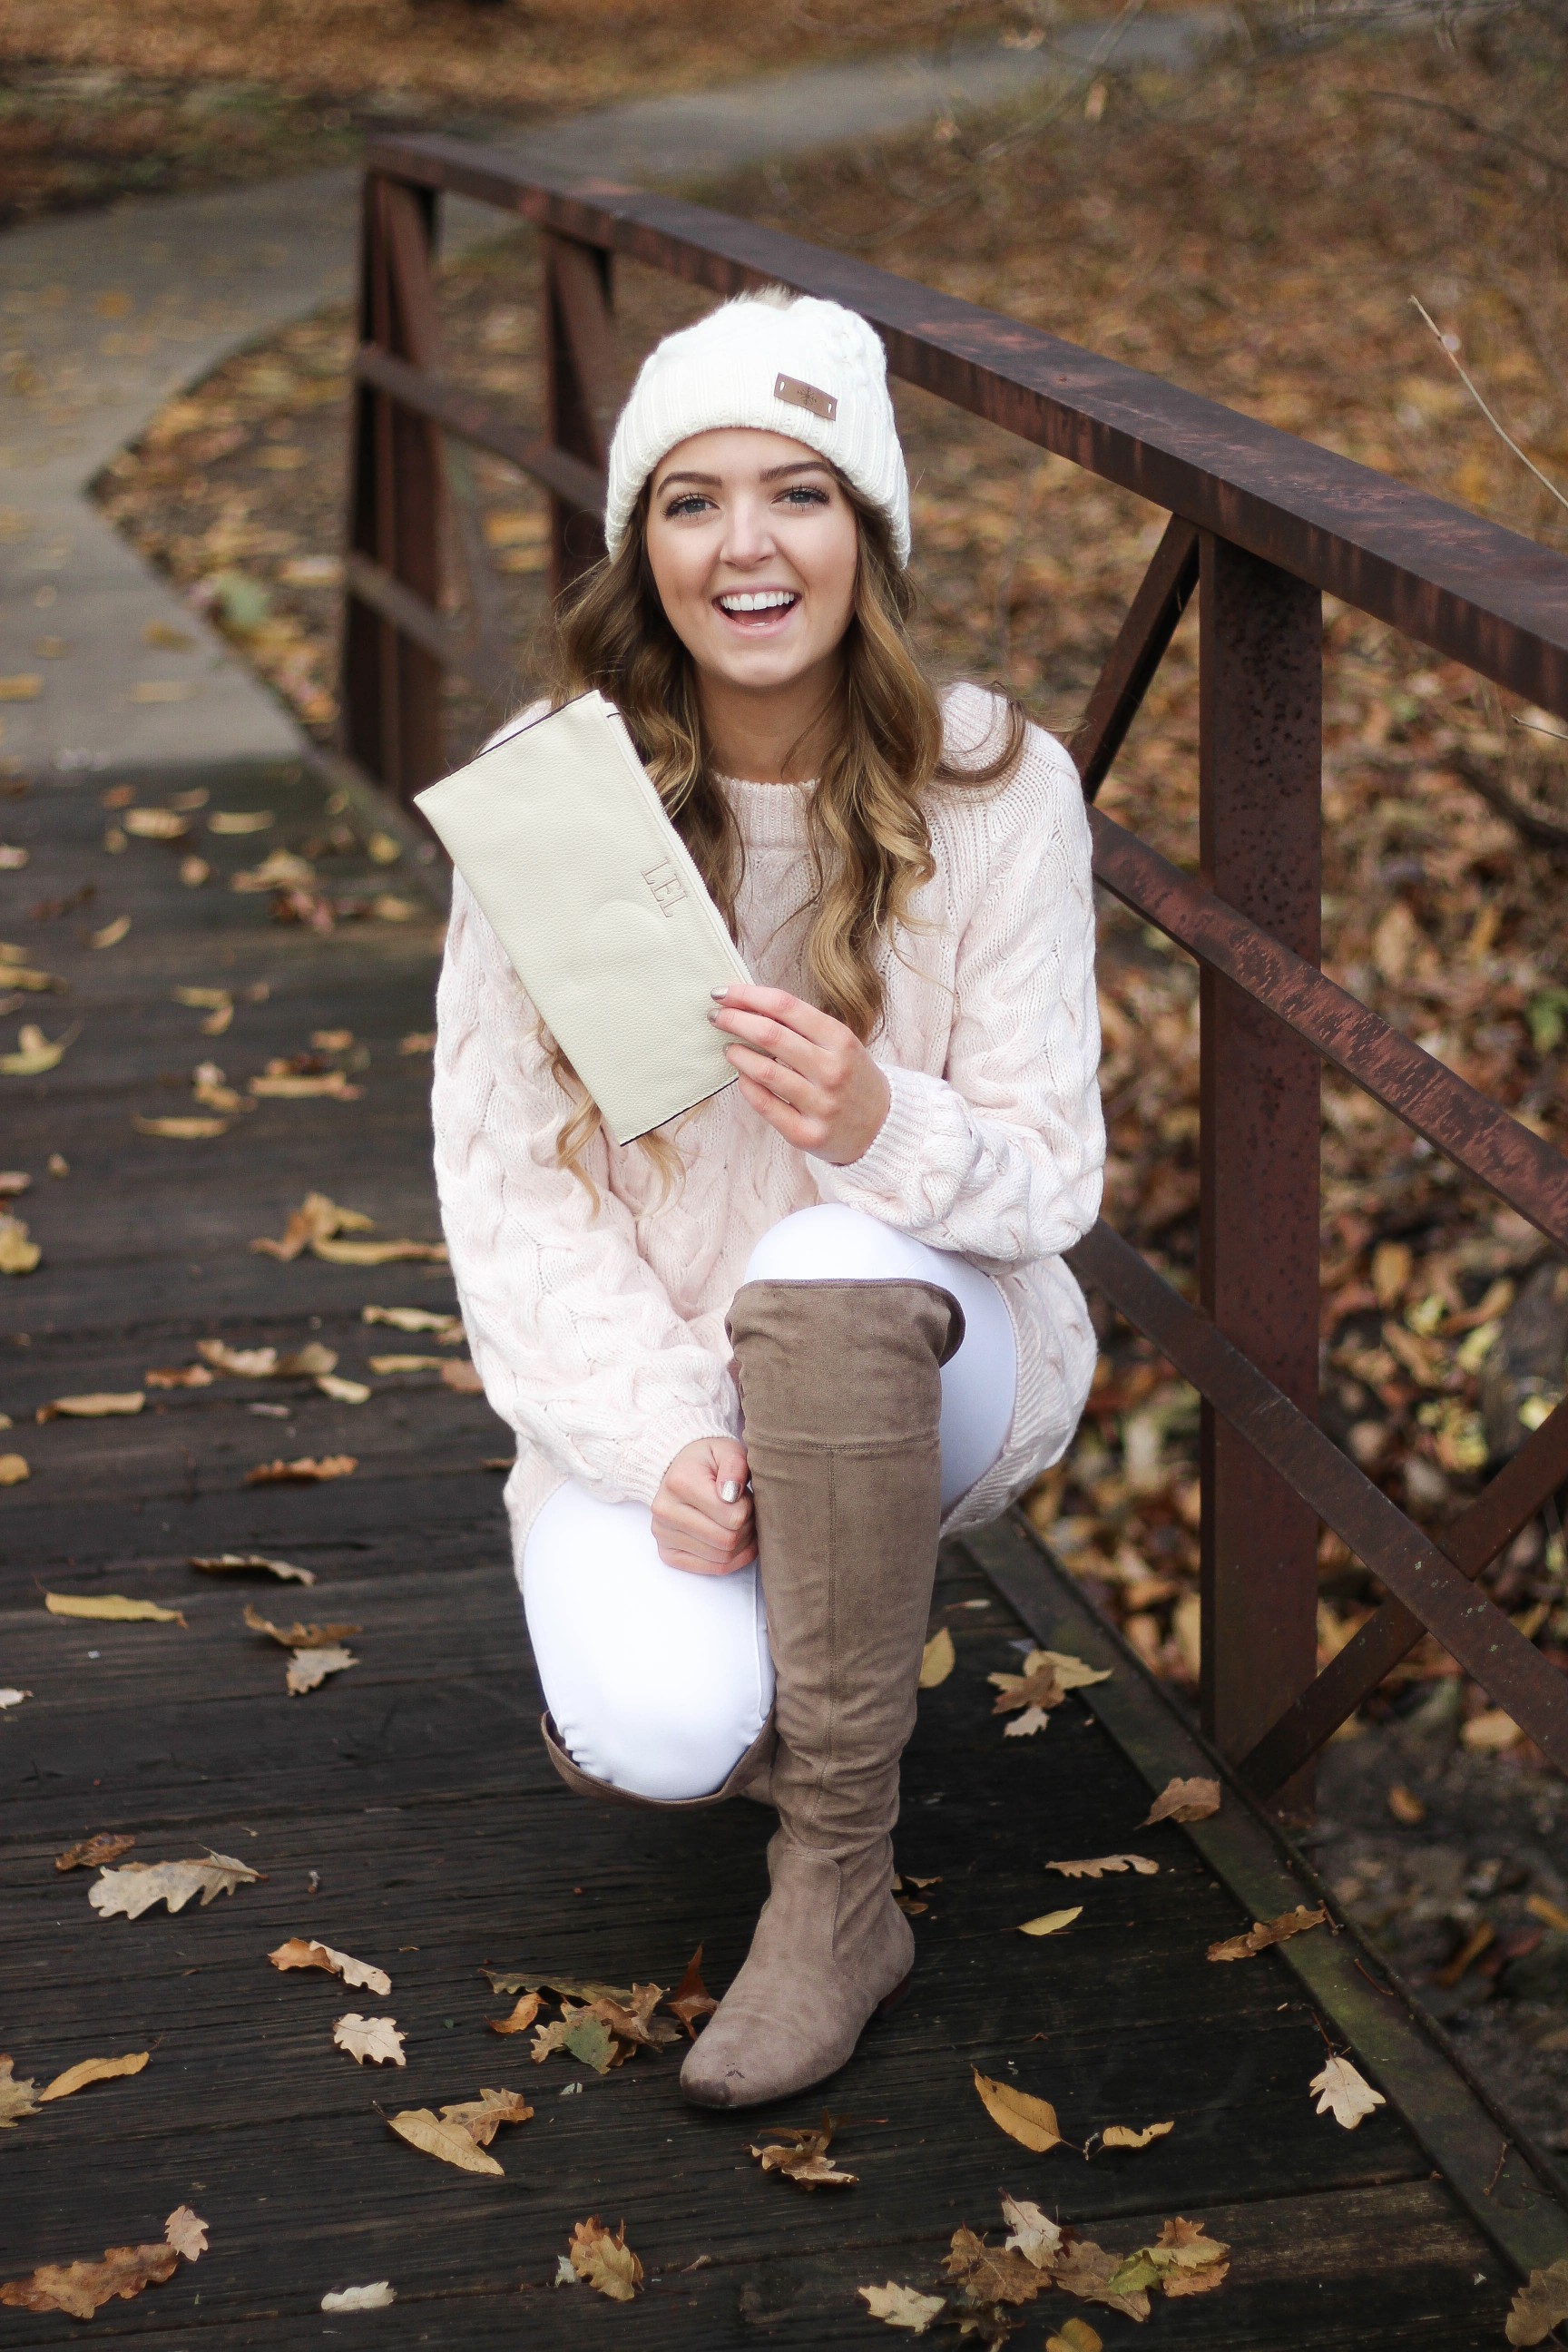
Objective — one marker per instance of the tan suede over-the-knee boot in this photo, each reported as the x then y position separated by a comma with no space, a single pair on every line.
842,1401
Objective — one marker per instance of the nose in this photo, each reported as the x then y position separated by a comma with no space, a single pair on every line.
748,538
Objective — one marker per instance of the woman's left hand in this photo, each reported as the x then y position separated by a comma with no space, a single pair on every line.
810,1077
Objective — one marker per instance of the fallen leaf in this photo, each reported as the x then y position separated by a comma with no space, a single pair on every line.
237,821
989,2275
448,1329
280,870
691,1999
309,1669
112,933
331,1041
298,1636
78,2289
34,982
34,1053
1124,2136
1344,2094
91,2070
193,872
1031,2122
26,686
113,1608
102,1406
182,1130
316,1219
1086,2271
1264,1932
163,690
306,1470
13,1469
95,1852
606,2262
520,2018
223,1562
801,2155
902,2306
1032,2233
1040,1691
205,1000
418,1041
1493,1731
343,1392
338,1252
1551,1915
462,1376
16,2098
423,2129
13,858
1024,1725
299,1087
360,2298
482,2117
186,2233
18,1253
1050,1923
1188,2260
1072,1673
1540,2305
1075,2334
1102,1863
300,1952
384,1364
372,2041
179,1376
154,823
9,1694
136,1886
1405,1807
311,1362
1183,1801
938,1659
568,1988
242,1363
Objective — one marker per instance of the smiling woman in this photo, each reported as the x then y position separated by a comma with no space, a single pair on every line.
757,1361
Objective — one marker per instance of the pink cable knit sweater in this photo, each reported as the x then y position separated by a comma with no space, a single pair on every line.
601,1338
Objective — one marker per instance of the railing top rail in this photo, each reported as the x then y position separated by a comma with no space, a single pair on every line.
1485,597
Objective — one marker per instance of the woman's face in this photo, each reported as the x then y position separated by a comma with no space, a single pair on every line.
753,548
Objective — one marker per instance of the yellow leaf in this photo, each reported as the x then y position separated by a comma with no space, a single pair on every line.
1123,2134
902,2306
18,1253
103,1405
338,1252
301,1953
16,2098
447,1329
93,1852
186,2233
1072,1673
112,933
205,1000
34,1053
1540,2305
306,1470
1344,2094
1049,1923
1031,2122
182,1130
606,2260
91,2070
13,1469
298,1636
136,1886
343,1392
520,2018
385,1364
219,1563
938,1659
241,821
422,2128
26,686
154,823
310,1668
1264,1932
1106,1863
1075,2336
113,1608
1183,1801
372,2041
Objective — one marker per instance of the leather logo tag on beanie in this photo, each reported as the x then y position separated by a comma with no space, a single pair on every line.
805,395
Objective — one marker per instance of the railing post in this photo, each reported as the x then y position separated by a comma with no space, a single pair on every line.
392,688
1260,847
579,390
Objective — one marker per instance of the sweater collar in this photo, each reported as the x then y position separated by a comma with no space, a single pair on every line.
771,816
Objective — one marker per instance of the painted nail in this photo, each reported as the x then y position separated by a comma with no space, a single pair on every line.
729,1492
721,993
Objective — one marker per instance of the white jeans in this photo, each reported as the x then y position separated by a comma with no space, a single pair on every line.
658,1680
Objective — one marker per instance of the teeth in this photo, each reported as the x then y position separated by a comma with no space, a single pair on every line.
763,600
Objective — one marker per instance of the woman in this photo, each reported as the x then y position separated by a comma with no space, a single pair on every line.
757,1362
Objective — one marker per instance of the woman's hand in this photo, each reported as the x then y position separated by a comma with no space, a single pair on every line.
810,1077
703,1514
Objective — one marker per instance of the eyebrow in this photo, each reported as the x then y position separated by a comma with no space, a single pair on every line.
773,474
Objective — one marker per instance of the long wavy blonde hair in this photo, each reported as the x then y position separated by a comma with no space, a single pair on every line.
868,835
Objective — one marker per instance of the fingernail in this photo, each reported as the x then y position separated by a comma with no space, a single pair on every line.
729,1492
719,992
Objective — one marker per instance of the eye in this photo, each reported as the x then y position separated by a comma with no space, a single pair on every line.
689,502
805,494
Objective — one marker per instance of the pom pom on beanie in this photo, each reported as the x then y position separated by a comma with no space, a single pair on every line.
780,363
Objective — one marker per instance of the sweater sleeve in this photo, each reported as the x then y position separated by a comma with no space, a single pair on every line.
572,1334
1002,1157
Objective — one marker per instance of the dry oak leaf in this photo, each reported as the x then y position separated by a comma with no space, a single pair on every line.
1124,2136
360,2298
1038,1689
306,1470
801,2155
316,1219
989,2275
458,1373
396,1253
1182,2261
1104,1863
520,2018
1024,1725
606,2260
78,2289
1344,2094
1031,2232
385,1364
155,823
300,1952
16,2098
446,1328
9,1694
482,2117
1541,2304
186,2233
34,1053
342,1391
293,1086
309,1669
691,1999
1086,2269
136,1886
178,1376
564,1988
938,1659
182,1130
18,1253
14,1469
298,1636
1050,1923
91,2070
1075,2334
221,1563
110,1608
1031,2122
374,2041
1183,1801
423,2129
280,870
242,1363
95,1852
903,2306
1264,1932
100,1406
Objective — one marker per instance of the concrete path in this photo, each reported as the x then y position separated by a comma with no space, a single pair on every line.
105,316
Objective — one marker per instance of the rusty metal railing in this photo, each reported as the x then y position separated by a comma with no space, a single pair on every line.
1262,525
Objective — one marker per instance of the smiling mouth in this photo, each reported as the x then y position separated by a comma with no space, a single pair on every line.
757,609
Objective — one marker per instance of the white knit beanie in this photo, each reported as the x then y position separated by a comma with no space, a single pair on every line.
778,362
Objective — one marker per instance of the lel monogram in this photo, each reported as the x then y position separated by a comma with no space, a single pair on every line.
666,884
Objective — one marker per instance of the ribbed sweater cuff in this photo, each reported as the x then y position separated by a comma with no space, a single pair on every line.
888,1170
641,1468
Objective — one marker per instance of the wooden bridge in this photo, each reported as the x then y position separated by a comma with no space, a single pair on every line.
402,1811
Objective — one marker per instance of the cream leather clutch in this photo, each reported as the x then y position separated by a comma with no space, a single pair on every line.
562,839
